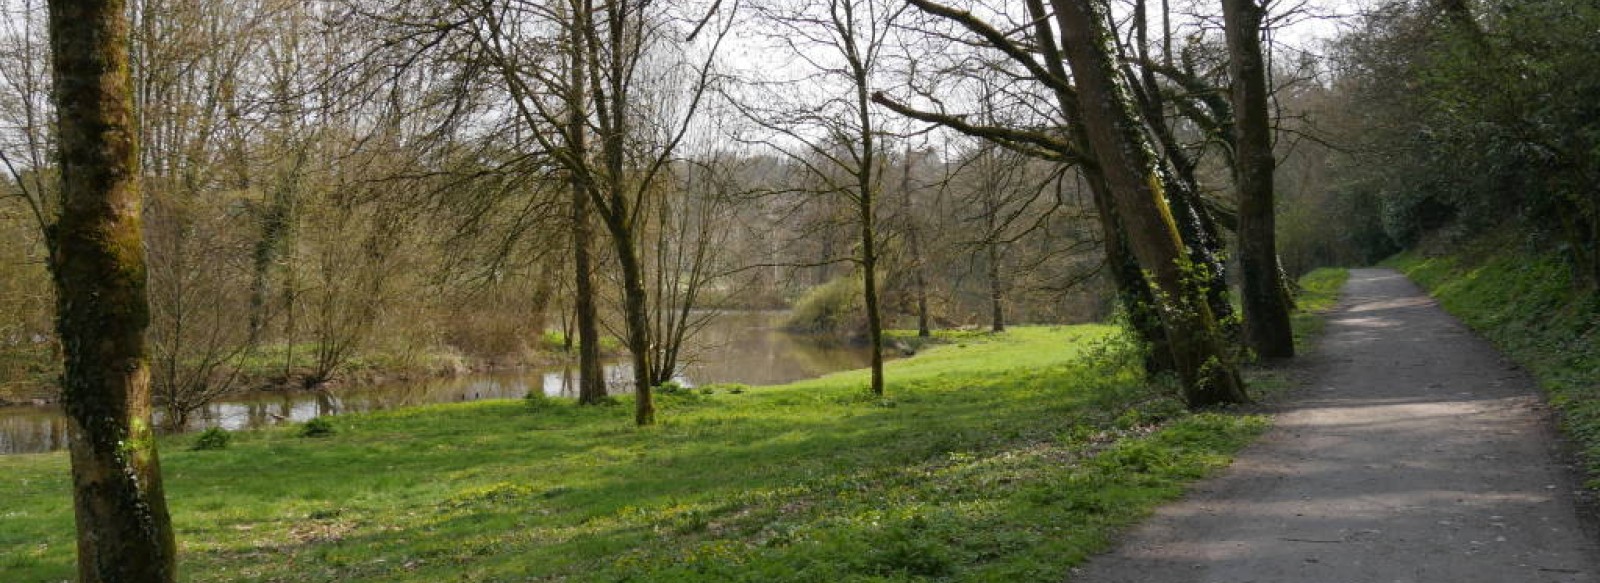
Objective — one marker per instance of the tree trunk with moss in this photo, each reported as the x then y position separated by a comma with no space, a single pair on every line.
1199,354
97,261
1266,309
591,373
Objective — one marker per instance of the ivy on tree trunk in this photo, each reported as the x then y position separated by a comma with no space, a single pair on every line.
98,264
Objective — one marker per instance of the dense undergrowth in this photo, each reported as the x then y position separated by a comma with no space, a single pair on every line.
1529,305
1004,457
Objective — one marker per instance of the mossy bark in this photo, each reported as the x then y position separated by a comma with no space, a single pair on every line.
1200,356
1133,290
97,261
1266,311
591,373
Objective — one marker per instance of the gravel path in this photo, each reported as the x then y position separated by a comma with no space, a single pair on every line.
1415,453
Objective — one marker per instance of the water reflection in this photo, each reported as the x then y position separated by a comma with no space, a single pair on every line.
738,347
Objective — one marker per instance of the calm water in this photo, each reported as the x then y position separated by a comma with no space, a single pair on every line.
738,347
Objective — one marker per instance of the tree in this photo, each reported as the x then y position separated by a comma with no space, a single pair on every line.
911,229
623,47
840,141
1266,307
97,261
1148,258
591,372
1123,154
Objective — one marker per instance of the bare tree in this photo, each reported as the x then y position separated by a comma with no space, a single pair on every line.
838,140
1102,126
624,46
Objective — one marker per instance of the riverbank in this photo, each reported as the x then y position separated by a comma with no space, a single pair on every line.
277,369
993,457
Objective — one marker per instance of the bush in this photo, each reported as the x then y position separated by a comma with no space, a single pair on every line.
831,308
536,400
554,341
317,427
729,388
213,438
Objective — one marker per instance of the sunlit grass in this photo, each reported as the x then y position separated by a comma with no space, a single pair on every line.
1006,457
1319,291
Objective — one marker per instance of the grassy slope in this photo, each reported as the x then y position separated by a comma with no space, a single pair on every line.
1527,305
1008,458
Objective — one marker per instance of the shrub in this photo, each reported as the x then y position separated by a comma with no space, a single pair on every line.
213,438
671,388
536,400
729,388
553,340
830,308
317,427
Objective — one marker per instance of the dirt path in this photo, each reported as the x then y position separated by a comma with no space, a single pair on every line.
1415,454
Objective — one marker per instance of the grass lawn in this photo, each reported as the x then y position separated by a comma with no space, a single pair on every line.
996,458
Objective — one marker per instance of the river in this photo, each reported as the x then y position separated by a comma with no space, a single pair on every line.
737,347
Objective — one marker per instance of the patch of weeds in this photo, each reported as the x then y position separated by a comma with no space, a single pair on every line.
492,494
1142,457
729,388
212,439
1152,412
317,427
537,401
553,340
674,392
910,550
556,491
325,513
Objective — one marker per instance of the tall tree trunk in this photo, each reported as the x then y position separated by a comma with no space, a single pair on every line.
276,222
1203,364
997,310
866,179
98,264
1133,290
919,276
1196,227
1266,313
591,373
637,312
1203,244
